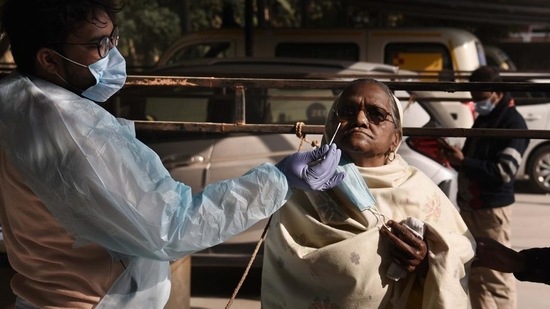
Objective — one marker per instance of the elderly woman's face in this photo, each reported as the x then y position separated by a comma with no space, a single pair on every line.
367,131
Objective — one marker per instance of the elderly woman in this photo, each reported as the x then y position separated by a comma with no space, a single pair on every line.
333,249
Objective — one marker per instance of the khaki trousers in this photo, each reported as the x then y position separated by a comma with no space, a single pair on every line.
491,289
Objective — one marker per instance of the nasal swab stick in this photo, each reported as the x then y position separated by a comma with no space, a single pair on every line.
332,139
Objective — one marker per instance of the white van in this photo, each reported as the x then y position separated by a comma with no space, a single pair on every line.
416,49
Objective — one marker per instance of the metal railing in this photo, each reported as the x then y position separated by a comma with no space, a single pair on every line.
241,84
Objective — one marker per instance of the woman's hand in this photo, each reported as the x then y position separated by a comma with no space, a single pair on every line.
407,249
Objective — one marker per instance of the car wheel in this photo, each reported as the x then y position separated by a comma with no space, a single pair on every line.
539,169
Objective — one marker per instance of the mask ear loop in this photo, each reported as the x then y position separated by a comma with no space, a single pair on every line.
380,217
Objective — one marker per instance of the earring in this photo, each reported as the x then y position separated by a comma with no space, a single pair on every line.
390,156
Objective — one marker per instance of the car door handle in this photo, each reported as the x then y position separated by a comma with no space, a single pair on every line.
532,117
179,160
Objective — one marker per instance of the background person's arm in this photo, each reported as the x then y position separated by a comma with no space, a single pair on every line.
531,265
494,255
537,265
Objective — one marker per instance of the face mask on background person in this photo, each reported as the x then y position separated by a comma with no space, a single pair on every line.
484,107
109,73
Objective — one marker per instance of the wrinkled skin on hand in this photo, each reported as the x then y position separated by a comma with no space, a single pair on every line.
407,249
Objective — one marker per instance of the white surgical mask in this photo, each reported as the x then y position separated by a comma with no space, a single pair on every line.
484,107
109,73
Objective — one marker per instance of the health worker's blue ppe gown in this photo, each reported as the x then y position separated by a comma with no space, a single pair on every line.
106,187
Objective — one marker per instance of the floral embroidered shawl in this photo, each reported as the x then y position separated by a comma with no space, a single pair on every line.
322,252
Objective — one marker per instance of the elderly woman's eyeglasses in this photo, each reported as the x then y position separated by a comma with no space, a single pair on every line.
105,44
375,114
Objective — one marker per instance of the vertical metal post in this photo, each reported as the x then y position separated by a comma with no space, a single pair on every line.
240,104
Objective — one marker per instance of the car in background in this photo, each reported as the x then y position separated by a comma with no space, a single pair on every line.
202,158
433,49
535,109
498,58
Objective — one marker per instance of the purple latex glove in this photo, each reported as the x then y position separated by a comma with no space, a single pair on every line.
312,170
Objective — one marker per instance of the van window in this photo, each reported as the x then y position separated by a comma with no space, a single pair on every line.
202,50
204,104
162,104
310,106
221,106
418,56
190,104
339,51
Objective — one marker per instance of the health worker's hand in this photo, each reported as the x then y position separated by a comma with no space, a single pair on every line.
313,170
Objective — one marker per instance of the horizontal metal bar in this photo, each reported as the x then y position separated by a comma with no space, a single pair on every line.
193,81
208,127
187,81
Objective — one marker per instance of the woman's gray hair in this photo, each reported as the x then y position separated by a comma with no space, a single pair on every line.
395,110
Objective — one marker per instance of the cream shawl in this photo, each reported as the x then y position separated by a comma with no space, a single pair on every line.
322,252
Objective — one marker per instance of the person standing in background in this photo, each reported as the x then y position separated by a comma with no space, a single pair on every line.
486,174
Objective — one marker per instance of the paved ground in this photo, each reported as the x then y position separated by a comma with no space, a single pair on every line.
531,228
220,303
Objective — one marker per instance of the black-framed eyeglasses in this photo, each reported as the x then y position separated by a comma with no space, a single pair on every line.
375,114
104,45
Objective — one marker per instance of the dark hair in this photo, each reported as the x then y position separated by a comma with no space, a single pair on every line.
34,24
486,74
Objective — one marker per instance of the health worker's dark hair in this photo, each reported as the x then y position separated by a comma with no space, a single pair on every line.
34,24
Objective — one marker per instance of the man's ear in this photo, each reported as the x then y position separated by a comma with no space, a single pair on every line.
47,60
